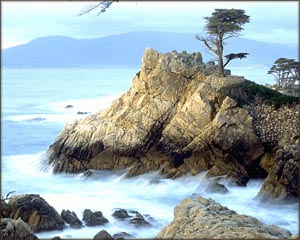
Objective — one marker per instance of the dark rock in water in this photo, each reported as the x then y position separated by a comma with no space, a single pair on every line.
69,106
120,213
56,238
138,219
93,218
122,235
16,229
83,112
71,218
36,212
103,235
215,187
38,119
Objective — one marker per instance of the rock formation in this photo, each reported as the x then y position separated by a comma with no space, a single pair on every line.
202,218
16,229
172,119
34,211
176,119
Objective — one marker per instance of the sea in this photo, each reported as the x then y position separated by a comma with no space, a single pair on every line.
33,112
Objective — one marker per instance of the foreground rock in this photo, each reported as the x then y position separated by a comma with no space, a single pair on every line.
205,219
35,211
71,218
173,119
93,218
16,229
103,235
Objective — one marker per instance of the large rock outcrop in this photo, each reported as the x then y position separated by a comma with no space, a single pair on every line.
202,218
34,211
172,119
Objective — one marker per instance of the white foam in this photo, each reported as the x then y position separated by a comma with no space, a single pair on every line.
59,112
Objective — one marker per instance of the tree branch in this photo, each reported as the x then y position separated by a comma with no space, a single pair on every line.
103,5
206,40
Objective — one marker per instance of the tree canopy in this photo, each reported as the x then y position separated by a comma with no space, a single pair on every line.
286,72
221,25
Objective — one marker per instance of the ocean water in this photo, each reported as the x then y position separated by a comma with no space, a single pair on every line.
34,112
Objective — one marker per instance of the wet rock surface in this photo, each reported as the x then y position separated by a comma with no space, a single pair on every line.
202,218
93,218
36,212
16,229
71,218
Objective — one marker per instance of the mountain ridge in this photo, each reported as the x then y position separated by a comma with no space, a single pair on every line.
126,49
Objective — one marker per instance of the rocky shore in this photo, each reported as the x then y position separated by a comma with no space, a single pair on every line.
198,218
180,118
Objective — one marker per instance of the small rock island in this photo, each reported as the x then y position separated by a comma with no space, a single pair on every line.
180,118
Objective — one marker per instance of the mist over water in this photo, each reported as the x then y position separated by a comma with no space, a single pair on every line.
34,112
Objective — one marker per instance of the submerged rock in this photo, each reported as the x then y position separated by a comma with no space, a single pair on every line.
93,218
36,212
16,229
202,218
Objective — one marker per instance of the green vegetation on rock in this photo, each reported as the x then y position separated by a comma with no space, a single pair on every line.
248,92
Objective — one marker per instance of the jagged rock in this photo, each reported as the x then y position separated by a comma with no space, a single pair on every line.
16,229
93,218
138,219
215,187
202,218
36,212
172,119
5,209
120,213
282,182
71,218
122,235
56,238
103,235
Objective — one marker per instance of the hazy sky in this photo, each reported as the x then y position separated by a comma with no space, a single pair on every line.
23,21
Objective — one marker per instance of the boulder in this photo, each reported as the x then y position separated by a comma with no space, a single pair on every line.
120,213
122,235
202,218
36,212
215,187
93,218
16,229
173,119
103,235
71,218
138,220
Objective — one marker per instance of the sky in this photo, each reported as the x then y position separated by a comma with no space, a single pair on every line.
273,21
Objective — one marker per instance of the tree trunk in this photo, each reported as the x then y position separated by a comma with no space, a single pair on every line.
220,57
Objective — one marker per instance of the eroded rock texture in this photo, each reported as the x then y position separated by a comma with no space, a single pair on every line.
202,218
171,120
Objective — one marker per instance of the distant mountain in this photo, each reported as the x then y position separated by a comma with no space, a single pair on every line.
127,49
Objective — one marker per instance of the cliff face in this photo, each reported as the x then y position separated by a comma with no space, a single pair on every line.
172,119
